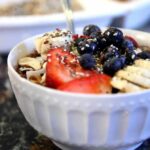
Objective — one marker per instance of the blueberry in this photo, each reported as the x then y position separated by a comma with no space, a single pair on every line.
107,56
127,45
130,57
111,51
132,40
87,61
79,40
87,46
112,65
114,36
123,60
101,42
95,35
144,55
90,29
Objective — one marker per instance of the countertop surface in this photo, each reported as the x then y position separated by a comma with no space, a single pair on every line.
15,132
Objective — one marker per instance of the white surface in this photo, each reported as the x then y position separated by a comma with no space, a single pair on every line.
3,2
100,12
81,121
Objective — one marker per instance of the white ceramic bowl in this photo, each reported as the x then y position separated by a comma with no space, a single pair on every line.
80,121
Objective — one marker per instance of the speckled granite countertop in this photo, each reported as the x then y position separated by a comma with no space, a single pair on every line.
15,132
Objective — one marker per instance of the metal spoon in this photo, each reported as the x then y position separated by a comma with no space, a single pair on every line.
66,4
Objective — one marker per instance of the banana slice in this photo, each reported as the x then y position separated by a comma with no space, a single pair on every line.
143,63
138,70
133,78
124,86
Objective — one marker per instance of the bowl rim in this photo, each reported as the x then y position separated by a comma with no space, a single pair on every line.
50,19
70,94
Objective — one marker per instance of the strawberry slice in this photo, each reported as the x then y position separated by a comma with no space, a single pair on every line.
62,66
75,37
93,84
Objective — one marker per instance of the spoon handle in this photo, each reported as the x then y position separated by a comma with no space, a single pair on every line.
66,4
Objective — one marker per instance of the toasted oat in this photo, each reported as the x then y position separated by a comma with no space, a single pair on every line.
35,73
58,38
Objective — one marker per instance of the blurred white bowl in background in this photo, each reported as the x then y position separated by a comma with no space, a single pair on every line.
16,28
137,16
100,12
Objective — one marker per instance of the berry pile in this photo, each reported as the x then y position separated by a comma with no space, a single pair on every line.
110,49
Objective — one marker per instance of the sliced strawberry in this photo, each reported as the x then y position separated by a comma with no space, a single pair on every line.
62,66
75,36
84,36
133,40
93,84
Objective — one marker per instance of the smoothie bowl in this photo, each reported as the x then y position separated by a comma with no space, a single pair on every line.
94,97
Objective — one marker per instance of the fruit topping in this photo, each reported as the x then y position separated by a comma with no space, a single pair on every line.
87,61
127,45
113,36
144,55
75,37
130,57
135,77
110,52
87,46
112,65
94,84
133,40
90,30
62,66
